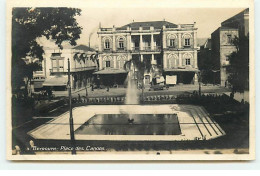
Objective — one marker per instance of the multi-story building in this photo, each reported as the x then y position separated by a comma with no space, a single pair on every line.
55,67
222,45
165,45
239,21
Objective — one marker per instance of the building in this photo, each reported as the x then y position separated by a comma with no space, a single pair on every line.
240,22
222,45
55,67
208,67
167,46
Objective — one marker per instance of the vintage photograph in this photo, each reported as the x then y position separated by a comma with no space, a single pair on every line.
131,83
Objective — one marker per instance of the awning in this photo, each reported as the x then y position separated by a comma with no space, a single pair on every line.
187,69
56,81
110,71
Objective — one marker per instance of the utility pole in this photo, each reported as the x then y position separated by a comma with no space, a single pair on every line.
72,136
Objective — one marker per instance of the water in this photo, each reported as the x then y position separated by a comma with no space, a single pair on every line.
131,92
143,124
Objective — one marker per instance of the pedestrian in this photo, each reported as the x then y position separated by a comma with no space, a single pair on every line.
79,99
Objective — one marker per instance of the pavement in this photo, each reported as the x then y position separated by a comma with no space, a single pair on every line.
195,124
178,89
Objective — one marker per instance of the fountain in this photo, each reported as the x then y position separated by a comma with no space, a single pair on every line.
131,95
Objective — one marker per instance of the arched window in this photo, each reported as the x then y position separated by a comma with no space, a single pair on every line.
107,44
121,43
120,62
187,59
187,40
108,62
172,41
173,60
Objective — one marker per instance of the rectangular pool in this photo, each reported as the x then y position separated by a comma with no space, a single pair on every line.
141,124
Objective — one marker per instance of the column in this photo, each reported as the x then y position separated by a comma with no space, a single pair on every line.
152,42
195,59
195,39
164,40
114,42
164,61
128,42
114,57
153,61
180,59
99,43
100,63
179,40
141,42
142,57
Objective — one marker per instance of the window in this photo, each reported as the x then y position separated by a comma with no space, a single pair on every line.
57,62
229,39
121,43
107,44
107,63
172,41
187,42
187,61
227,58
61,63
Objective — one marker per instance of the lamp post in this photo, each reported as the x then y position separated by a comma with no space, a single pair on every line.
72,137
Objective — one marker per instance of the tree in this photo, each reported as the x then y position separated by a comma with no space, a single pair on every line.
238,68
29,24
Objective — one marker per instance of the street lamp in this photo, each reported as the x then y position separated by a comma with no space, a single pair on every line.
72,137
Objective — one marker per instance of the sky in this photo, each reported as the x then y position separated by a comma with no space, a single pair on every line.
207,19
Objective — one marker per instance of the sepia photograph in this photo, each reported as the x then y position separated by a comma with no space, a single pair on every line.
159,81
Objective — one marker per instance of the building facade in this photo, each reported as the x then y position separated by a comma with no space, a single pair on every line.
222,47
167,46
55,67
239,21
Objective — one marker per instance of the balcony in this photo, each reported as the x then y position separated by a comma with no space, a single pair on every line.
121,49
147,48
107,49
157,48
136,49
55,70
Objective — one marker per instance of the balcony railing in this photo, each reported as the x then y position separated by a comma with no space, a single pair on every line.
72,69
121,49
135,48
147,48
157,48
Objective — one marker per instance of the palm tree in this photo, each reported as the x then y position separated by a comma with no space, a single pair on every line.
94,58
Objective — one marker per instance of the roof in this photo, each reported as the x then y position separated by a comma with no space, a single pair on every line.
187,69
68,46
242,13
110,71
84,47
155,24
56,81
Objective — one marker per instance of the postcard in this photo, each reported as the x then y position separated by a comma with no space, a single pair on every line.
130,80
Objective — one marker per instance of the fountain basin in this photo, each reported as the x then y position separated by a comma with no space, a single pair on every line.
151,123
